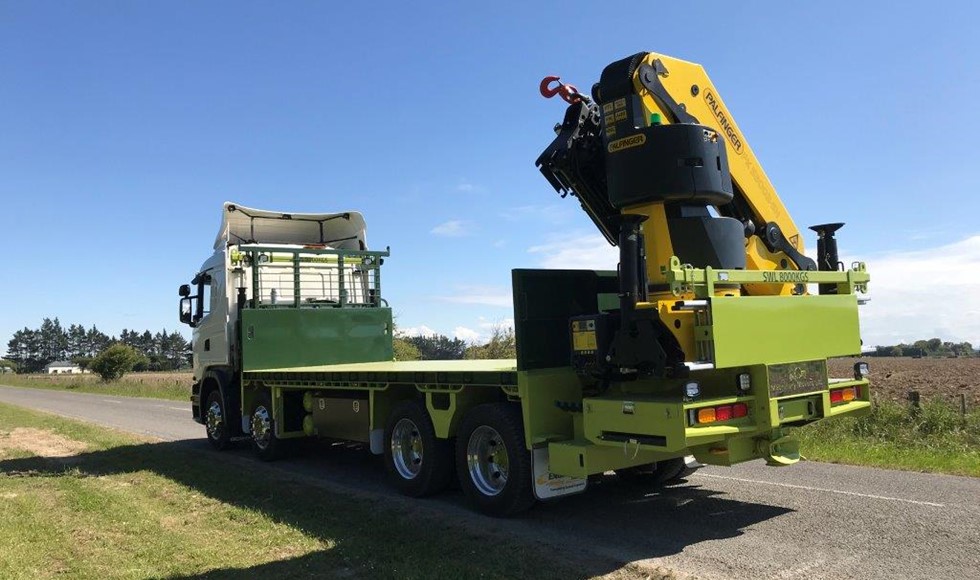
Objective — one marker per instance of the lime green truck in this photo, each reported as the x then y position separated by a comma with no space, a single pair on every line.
707,343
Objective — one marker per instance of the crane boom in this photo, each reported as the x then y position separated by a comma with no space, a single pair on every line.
649,89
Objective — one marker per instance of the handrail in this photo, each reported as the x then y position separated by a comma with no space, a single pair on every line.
685,279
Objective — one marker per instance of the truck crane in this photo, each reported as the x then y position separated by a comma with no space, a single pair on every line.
707,345
675,193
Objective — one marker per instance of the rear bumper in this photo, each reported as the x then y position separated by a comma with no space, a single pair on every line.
731,442
621,431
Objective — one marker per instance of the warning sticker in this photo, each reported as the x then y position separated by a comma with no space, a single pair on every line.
620,115
620,103
584,340
607,108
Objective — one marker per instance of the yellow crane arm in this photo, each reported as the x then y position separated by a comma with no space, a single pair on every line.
680,92
649,143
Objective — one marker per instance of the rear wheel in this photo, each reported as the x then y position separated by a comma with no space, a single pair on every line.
690,466
263,429
418,463
216,421
492,462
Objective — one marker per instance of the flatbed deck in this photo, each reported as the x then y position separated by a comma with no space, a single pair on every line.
499,372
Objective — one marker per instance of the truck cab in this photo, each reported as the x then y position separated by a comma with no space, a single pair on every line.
254,267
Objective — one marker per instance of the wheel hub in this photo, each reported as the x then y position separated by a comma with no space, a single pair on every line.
214,421
261,427
487,460
406,448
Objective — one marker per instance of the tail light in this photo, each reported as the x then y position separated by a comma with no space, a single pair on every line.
845,395
707,415
720,413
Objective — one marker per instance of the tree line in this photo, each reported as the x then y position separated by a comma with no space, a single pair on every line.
31,349
501,344
933,347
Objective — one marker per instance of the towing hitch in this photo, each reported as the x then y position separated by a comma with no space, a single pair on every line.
780,450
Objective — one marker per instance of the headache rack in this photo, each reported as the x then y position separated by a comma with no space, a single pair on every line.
309,276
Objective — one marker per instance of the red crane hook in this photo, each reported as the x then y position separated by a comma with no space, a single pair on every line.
568,93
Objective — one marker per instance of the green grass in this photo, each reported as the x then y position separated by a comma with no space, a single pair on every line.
937,438
125,508
169,386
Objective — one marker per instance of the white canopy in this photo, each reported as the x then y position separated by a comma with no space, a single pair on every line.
240,224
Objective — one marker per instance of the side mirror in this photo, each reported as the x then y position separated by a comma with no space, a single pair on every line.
185,290
186,311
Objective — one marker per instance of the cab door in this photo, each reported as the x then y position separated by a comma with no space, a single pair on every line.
210,332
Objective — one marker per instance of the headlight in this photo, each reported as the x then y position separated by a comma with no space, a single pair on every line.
861,370
692,390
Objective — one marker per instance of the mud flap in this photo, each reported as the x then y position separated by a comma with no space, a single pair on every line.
548,485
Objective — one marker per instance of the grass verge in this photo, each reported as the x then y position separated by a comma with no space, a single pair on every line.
169,386
936,438
86,502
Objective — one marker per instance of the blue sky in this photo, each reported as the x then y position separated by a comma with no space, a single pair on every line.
124,126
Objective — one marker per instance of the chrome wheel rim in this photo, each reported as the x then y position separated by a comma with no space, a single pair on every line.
214,421
261,427
406,448
487,460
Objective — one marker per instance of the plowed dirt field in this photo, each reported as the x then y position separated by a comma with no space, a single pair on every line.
894,377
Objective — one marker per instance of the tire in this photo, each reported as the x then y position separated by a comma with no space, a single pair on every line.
654,474
690,466
267,446
418,463
492,462
216,421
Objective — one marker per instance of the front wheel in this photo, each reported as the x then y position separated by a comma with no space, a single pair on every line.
263,427
216,421
493,464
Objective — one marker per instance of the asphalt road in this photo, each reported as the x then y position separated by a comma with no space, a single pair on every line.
812,520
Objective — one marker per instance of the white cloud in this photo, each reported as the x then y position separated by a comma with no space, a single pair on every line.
924,294
478,333
491,325
467,334
577,252
465,186
483,295
450,229
421,330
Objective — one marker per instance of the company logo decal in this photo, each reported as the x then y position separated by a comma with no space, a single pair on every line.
626,143
723,121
